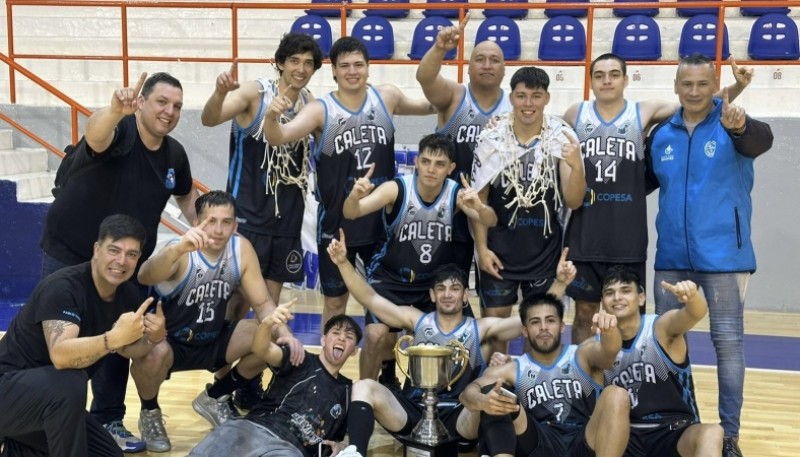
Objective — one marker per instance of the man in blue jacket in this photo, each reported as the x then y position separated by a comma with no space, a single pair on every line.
702,159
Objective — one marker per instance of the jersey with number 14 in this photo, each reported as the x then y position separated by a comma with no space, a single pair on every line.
351,142
611,225
195,304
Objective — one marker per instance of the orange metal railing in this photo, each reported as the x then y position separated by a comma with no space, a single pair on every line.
126,57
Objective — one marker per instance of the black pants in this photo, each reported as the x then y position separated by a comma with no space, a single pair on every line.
44,413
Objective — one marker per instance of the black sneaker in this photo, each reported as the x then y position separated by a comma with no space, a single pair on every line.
730,447
246,397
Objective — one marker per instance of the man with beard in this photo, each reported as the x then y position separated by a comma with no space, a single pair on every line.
558,388
399,412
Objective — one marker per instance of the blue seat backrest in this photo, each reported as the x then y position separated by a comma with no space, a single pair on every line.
504,32
699,35
563,38
318,28
425,35
774,37
377,34
637,38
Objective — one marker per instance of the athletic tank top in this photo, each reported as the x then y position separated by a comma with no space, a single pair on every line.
427,332
268,182
419,240
660,390
463,129
350,143
561,393
194,304
611,226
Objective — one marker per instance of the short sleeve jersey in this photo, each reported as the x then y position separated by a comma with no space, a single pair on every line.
351,142
268,182
305,404
66,295
194,304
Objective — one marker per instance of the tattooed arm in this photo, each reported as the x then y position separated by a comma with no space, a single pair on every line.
69,351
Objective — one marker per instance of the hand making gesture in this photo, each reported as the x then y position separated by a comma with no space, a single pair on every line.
226,81
194,239
363,186
683,290
743,75
125,100
733,117
338,249
155,325
448,37
571,153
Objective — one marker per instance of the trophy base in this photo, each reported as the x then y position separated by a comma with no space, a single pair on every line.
411,448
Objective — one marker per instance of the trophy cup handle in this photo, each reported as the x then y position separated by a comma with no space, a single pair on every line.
399,351
464,356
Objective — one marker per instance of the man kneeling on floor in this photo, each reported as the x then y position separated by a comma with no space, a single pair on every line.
196,276
72,320
304,411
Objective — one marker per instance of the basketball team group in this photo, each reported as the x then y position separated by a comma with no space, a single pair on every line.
541,205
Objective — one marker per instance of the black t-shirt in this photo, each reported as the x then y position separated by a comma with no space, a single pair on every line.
304,405
137,183
66,295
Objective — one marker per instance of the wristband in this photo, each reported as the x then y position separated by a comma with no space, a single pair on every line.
739,131
105,343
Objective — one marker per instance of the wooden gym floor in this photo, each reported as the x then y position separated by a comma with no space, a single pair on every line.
770,419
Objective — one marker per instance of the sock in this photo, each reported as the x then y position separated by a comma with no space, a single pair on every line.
360,425
150,404
227,384
388,372
498,434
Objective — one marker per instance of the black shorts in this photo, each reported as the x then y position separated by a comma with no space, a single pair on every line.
448,414
588,283
330,279
463,253
497,293
209,357
280,257
542,440
661,440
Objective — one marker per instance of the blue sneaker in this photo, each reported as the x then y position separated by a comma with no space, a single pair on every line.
124,438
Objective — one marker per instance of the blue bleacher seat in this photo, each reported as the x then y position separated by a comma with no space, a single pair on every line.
689,12
318,28
699,35
774,37
761,11
566,12
377,34
443,13
625,12
504,32
517,13
398,13
637,38
563,38
425,35
329,12
410,157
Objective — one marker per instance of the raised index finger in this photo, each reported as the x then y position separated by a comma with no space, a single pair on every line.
205,222
370,170
724,97
138,87
463,24
234,67
288,304
464,181
668,287
145,304
734,67
564,253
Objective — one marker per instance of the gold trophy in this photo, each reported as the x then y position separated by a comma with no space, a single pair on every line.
431,367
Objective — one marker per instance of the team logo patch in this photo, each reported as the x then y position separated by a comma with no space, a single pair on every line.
623,129
336,411
294,262
667,156
588,128
710,149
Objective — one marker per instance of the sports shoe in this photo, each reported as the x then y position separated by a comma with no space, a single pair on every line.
124,438
151,426
214,410
730,447
248,395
